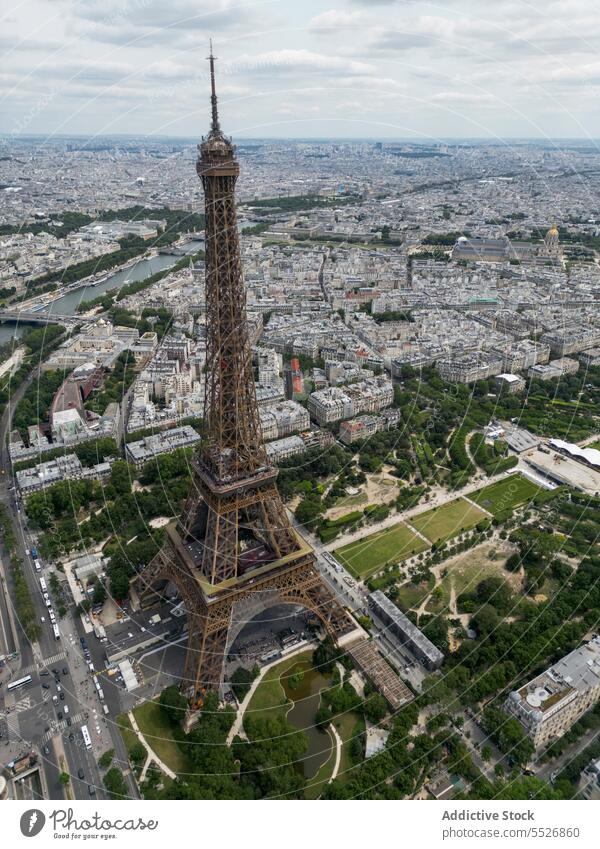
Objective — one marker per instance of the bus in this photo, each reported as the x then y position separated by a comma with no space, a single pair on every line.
14,685
86,737
56,631
43,585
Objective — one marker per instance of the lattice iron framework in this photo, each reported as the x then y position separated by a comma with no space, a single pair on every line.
234,540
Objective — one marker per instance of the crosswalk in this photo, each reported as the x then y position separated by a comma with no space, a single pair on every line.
27,670
60,726
24,703
48,661
41,664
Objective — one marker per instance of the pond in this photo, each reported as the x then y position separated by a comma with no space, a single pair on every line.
306,697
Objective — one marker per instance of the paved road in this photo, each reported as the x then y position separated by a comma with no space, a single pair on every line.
31,716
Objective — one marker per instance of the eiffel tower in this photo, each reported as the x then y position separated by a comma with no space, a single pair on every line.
233,552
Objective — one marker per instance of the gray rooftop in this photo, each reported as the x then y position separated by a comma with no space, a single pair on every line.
403,622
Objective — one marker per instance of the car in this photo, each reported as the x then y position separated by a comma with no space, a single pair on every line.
55,700
58,687
66,709
59,714
46,750
91,790
45,672
61,696
69,721
45,686
65,671
80,773
55,671
42,620
71,737
82,640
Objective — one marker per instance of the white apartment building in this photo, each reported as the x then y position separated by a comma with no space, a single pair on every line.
283,419
552,702
366,396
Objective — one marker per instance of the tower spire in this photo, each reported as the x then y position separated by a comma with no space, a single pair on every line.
214,125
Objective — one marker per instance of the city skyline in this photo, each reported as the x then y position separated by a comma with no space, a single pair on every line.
300,461
340,69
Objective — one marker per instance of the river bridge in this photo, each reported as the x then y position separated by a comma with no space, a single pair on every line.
39,317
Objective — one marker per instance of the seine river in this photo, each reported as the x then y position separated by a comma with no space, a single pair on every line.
67,305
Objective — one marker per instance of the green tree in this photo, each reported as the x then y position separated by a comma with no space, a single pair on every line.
173,704
375,708
115,783
137,753
322,717
105,758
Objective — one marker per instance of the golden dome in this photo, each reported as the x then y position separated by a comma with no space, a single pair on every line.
553,231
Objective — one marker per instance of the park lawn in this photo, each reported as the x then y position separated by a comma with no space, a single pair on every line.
161,737
439,601
365,556
127,732
442,523
269,700
412,595
471,567
350,501
505,494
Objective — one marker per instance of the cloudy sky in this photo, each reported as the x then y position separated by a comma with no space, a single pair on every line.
303,68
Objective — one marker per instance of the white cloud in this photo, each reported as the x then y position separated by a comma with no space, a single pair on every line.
318,58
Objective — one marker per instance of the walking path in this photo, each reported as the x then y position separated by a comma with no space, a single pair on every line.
338,751
152,754
237,727
443,496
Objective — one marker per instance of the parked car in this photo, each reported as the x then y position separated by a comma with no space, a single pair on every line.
80,773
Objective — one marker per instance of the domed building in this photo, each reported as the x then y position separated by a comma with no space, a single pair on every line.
552,243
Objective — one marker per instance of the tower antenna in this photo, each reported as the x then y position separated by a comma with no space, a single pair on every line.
215,127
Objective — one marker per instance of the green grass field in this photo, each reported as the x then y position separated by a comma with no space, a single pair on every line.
505,494
444,522
127,732
269,700
367,555
160,736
